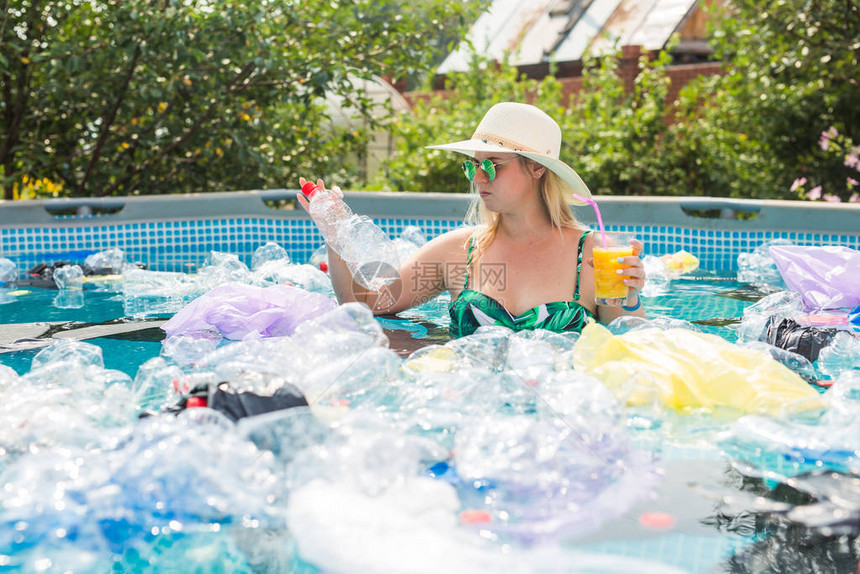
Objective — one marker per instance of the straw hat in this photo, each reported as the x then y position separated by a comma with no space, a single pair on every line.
524,129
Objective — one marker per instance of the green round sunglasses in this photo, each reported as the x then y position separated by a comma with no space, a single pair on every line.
470,168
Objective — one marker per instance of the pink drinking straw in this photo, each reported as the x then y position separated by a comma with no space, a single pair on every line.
593,204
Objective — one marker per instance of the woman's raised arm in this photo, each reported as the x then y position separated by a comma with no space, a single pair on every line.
429,271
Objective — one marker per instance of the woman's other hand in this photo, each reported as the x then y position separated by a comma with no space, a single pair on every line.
634,273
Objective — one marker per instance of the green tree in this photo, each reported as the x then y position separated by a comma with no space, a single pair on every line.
616,140
786,107
114,97
791,76
453,113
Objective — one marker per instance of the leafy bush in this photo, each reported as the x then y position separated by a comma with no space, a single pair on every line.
114,98
453,115
619,142
790,74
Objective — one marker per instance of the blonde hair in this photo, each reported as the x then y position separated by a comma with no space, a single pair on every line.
554,193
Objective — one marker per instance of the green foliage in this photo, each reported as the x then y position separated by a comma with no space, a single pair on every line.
720,153
617,140
842,151
791,74
450,116
109,97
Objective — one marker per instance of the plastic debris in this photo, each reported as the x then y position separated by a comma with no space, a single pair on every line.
827,276
758,267
689,370
269,252
237,311
680,262
779,305
779,448
108,262
841,355
160,480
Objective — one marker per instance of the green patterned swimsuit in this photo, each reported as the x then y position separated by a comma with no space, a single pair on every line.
472,309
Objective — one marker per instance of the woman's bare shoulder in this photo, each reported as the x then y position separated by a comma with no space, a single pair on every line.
452,240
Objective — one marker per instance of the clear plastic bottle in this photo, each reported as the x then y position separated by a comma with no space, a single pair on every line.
370,255
326,208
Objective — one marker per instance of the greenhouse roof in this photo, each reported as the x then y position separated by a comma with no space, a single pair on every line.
540,31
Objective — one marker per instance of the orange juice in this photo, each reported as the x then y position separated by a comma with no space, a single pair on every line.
609,287
608,284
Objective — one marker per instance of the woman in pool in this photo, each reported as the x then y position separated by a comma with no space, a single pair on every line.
525,262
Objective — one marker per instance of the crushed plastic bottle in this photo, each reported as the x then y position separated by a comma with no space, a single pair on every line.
8,271
657,276
283,272
70,282
69,277
411,238
758,267
841,355
370,255
150,293
326,208
269,252
781,304
105,262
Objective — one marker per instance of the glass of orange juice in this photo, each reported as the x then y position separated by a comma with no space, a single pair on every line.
609,287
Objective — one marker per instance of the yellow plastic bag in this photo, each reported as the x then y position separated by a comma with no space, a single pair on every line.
688,370
680,262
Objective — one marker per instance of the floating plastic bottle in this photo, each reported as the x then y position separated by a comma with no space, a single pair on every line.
841,355
370,255
105,262
269,252
70,282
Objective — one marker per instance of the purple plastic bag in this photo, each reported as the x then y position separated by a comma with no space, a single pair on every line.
826,277
238,310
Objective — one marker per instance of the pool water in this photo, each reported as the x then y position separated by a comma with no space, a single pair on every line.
703,519
712,302
123,351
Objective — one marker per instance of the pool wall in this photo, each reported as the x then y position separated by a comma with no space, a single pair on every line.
176,232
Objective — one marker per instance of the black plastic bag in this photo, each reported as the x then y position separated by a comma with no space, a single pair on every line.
237,405
245,404
789,335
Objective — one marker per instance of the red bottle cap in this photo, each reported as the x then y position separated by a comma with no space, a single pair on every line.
196,402
309,188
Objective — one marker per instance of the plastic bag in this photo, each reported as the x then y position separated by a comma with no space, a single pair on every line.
237,310
236,404
680,262
827,277
688,370
788,334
